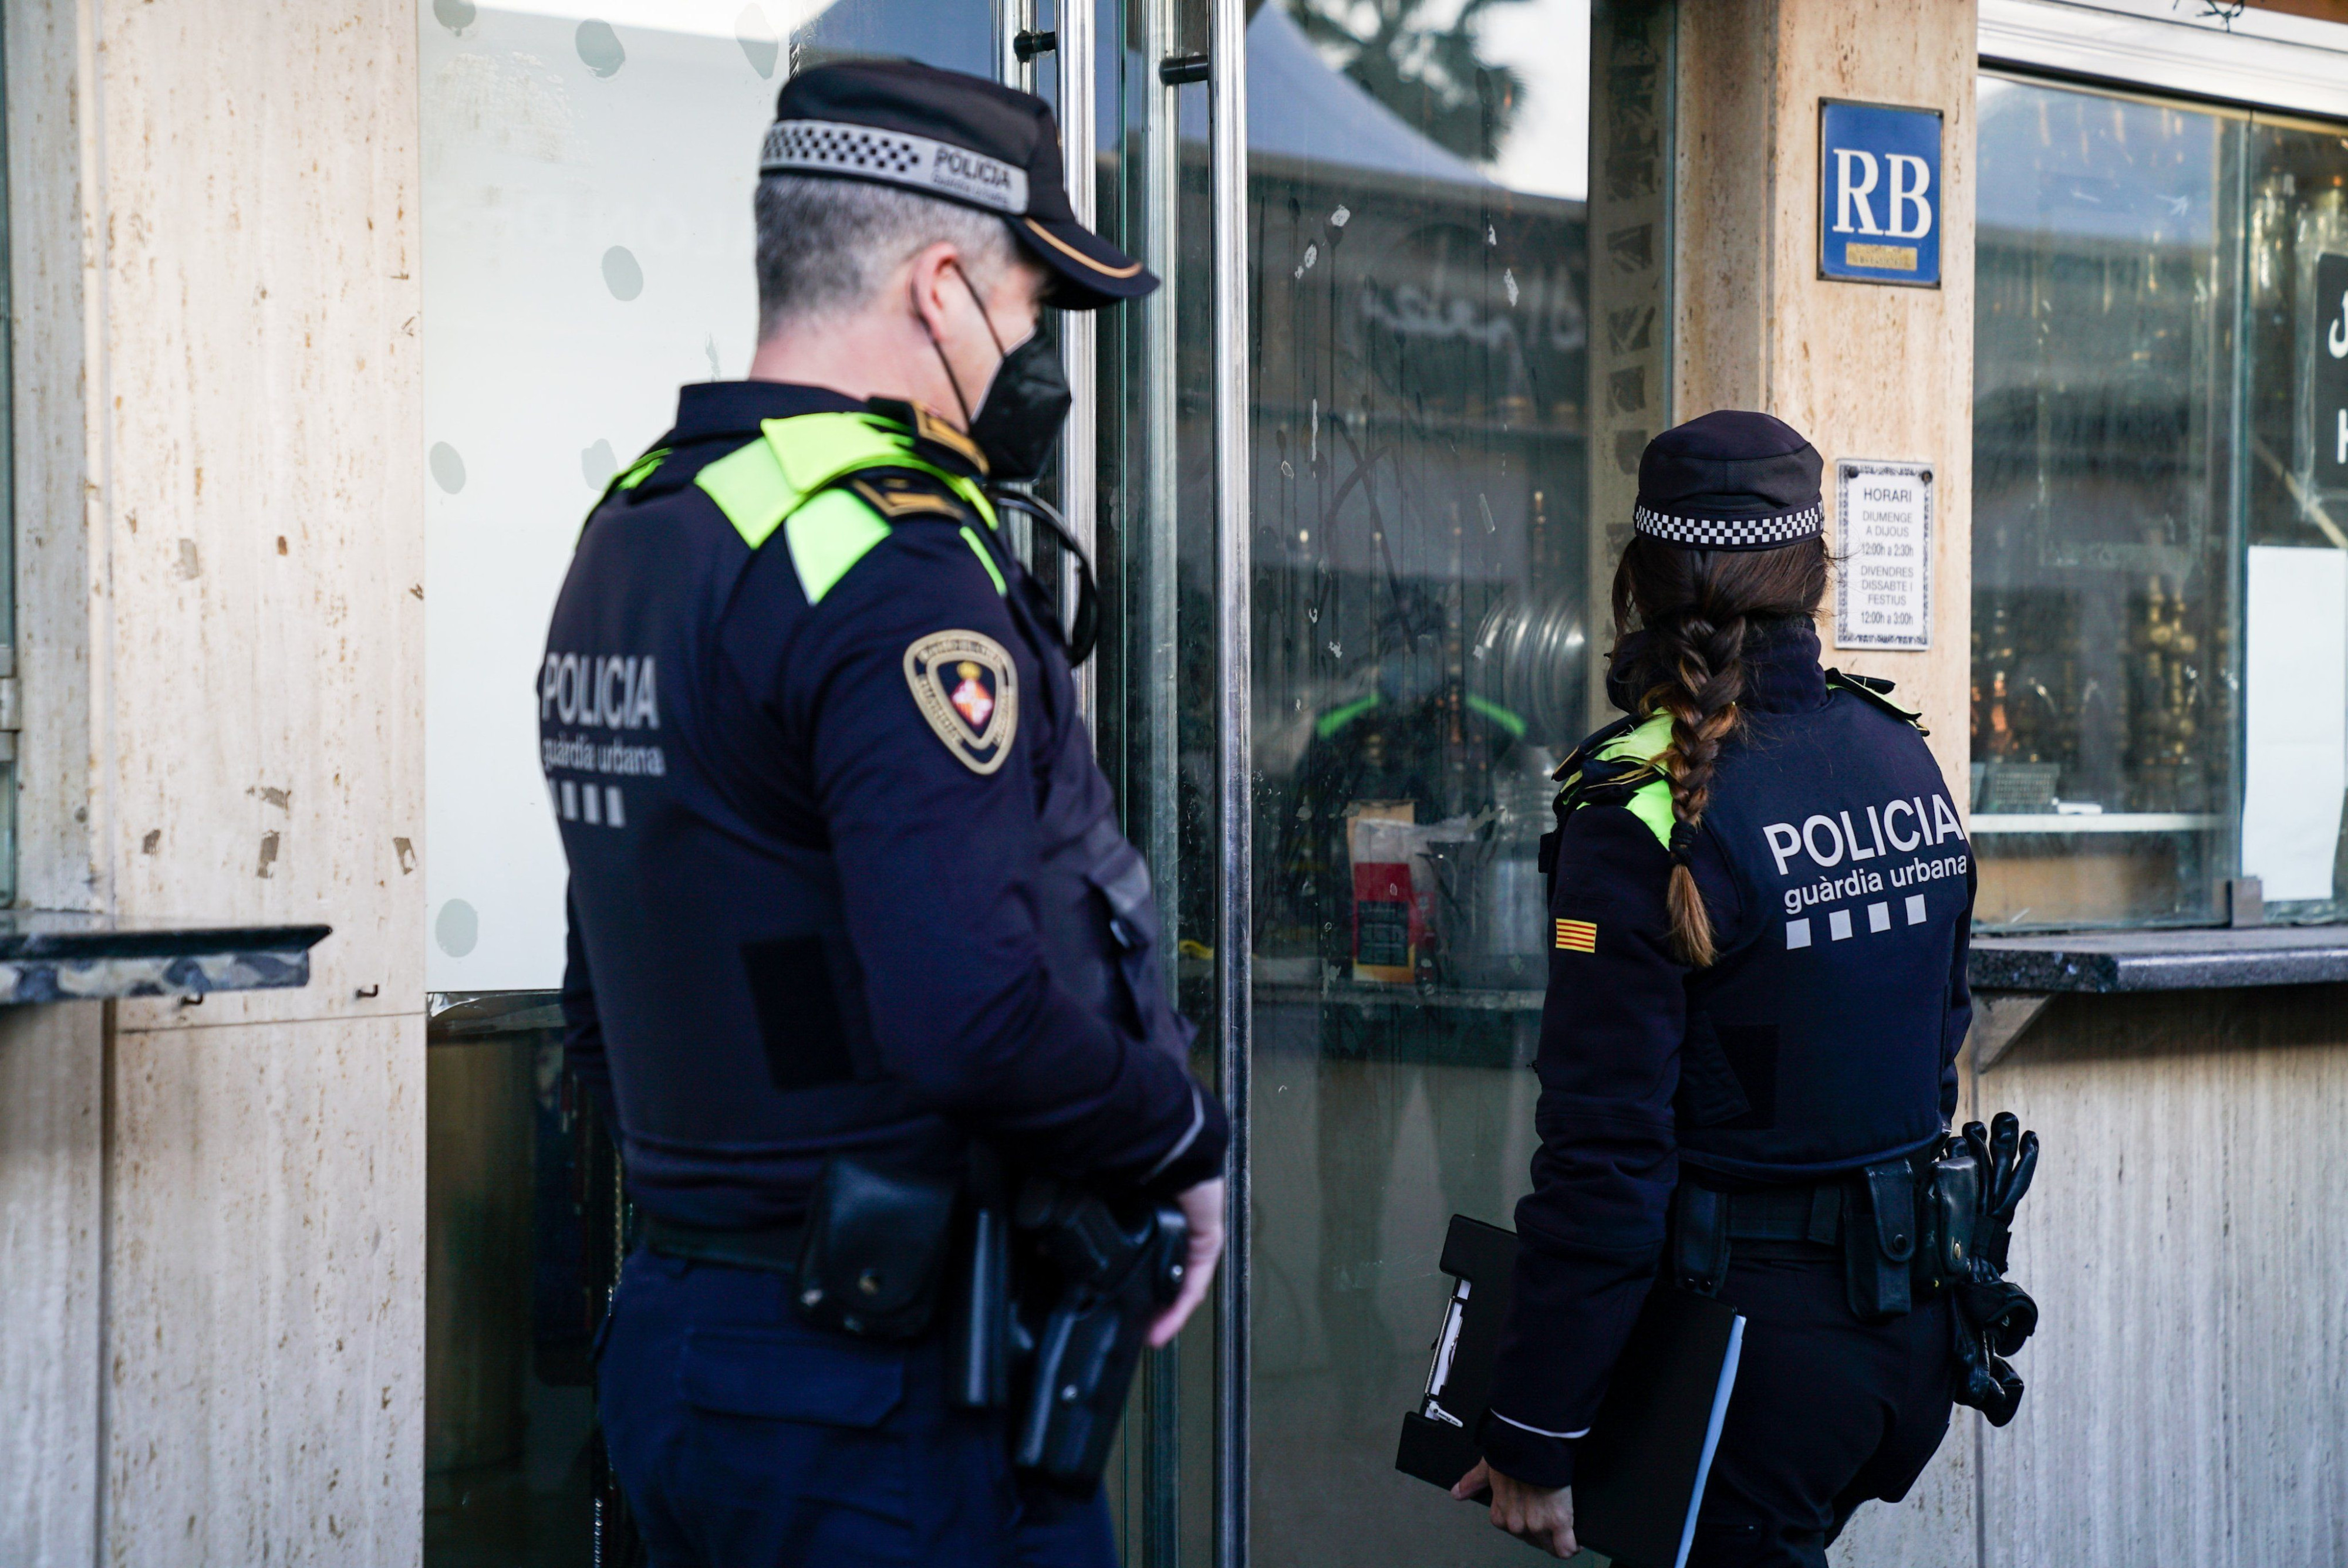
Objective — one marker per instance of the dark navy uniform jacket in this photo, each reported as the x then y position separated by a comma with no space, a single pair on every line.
1824,1037
844,875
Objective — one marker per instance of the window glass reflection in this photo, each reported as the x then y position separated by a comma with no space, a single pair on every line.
2103,775
1423,631
2160,569
2295,576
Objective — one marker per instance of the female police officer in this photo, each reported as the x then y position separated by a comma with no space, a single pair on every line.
1761,895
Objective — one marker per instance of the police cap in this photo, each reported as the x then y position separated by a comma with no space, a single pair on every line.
957,138
1730,480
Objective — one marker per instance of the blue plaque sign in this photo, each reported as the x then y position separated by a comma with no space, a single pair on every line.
1879,194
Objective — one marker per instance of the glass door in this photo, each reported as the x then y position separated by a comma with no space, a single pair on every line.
1444,431
1361,467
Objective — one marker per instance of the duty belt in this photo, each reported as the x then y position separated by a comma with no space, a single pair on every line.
1929,1224
1810,1216
1871,1217
775,1249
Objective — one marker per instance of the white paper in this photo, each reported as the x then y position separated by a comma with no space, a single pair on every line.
2295,700
1883,530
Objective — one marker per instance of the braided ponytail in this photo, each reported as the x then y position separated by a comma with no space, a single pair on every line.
1697,608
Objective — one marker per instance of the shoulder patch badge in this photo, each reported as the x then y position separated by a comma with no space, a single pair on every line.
968,689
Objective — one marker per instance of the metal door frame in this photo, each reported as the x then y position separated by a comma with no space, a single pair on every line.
1074,53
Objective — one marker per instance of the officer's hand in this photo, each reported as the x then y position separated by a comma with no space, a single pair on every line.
1203,1208
1536,1515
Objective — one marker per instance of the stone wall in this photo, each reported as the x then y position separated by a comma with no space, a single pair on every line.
211,1216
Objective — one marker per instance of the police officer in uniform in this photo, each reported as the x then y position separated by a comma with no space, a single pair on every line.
1761,895
845,879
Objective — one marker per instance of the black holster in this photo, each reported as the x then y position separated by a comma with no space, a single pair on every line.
1699,1238
1092,1276
1910,1229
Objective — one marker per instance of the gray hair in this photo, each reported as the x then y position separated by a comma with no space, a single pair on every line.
827,246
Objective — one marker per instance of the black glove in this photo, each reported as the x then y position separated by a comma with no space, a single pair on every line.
1993,1316
1984,1379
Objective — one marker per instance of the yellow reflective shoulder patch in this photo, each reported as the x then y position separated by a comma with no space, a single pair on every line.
967,689
827,536
1643,745
750,488
1652,803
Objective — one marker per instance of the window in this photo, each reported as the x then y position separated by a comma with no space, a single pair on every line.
1441,444
2160,570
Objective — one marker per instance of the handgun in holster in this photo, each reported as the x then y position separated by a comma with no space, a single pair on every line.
1100,1272
1057,1291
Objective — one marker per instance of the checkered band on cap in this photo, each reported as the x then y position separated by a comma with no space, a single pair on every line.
1730,533
894,158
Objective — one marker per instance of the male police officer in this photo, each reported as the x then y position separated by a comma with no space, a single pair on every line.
844,876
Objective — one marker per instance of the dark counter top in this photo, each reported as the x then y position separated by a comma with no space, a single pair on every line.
2167,960
47,956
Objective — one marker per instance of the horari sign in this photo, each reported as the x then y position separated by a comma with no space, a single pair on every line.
1879,194
1883,530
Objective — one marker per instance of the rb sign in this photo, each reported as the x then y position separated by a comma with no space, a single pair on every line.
1879,194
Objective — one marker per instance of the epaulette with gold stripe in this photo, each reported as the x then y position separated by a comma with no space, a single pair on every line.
895,496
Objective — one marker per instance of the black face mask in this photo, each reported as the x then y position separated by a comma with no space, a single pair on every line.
1018,419
1019,416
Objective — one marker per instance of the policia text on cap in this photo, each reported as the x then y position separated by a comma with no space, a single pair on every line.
859,963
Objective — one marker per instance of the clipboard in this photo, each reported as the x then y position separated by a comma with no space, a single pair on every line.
1639,1475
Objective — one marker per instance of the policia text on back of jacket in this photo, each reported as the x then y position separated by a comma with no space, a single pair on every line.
850,915
1760,894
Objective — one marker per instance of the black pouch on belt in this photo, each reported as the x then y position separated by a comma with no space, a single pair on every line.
876,1248
1880,1240
1699,1237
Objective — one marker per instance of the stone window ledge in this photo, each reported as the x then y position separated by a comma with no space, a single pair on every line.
51,956
2013,977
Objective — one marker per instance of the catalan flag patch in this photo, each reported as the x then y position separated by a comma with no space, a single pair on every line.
1576,936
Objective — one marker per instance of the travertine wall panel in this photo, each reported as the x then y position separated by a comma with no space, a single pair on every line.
263,513
2190,1375
51,1240
52,1113
265,1385
213,216
59,471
